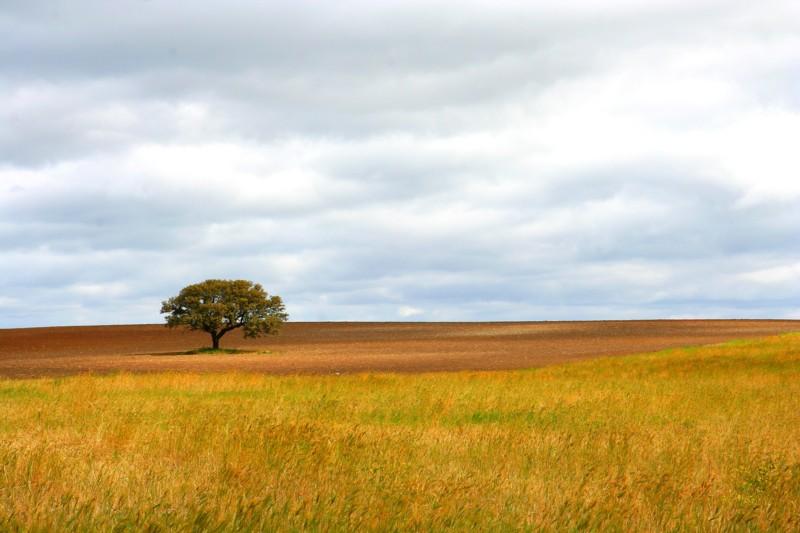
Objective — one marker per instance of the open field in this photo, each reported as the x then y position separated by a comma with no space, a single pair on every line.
359,347
701,438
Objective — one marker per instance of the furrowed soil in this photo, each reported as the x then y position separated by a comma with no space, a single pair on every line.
341,347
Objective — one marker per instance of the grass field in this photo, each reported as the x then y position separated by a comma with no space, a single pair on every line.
703,438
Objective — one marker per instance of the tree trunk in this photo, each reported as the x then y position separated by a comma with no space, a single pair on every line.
215,341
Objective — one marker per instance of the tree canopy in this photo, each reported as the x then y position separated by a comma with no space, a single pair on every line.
218,306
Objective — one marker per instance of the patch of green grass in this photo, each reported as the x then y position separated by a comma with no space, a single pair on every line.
19,393
223,351
688,439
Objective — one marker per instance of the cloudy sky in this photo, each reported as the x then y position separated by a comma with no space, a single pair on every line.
387,160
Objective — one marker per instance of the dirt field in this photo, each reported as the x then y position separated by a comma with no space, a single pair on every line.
331,347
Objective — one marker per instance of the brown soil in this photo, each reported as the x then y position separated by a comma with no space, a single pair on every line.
332,347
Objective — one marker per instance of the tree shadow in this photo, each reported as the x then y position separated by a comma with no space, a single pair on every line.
210,351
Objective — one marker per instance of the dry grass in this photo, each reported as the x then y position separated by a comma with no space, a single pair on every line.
701,439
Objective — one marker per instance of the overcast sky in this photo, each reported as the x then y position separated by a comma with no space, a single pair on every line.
401,160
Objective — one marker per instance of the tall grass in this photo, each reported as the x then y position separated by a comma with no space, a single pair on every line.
702,439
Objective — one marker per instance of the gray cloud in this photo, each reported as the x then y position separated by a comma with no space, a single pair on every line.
401,160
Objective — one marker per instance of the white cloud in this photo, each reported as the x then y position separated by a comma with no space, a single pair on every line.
8,302
94,290
784,274
373,160
406,311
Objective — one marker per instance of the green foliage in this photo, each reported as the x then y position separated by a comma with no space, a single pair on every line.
218,306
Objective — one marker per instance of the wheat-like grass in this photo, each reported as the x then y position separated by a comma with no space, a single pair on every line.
693,439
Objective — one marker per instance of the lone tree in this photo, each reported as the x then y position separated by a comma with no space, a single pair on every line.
218,306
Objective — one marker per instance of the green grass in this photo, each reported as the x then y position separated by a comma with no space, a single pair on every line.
219,351
694,439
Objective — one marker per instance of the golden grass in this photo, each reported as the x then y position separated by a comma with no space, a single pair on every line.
700,439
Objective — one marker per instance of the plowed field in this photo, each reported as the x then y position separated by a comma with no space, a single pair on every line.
331,347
